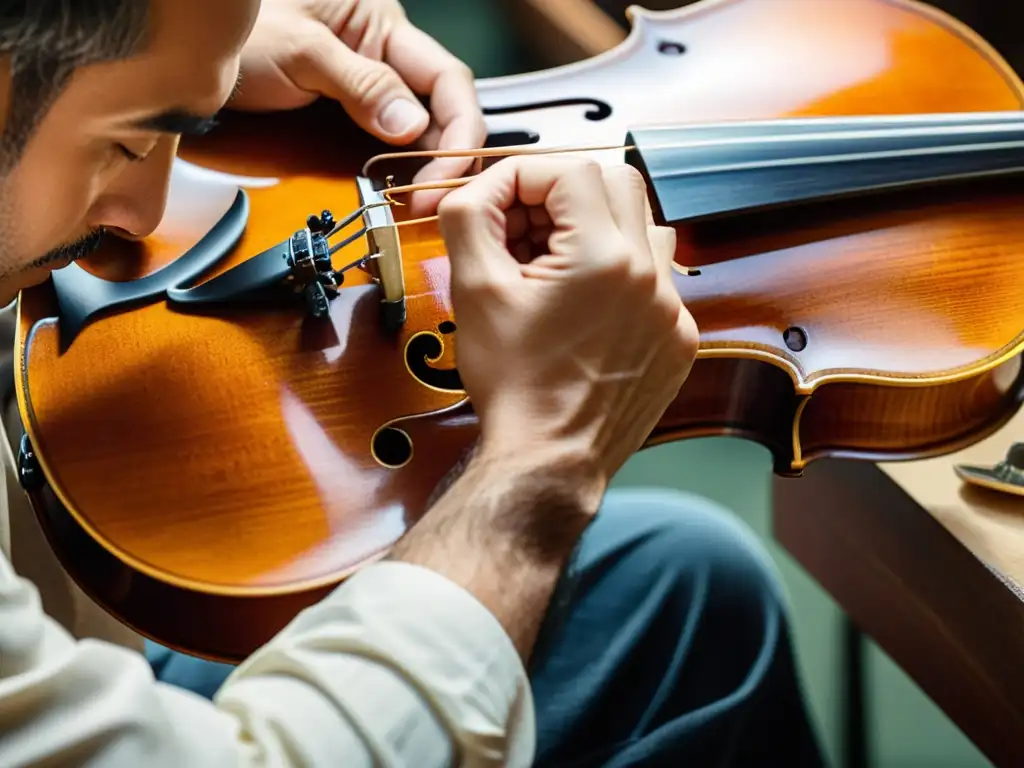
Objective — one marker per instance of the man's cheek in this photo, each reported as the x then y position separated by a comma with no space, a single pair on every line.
50,214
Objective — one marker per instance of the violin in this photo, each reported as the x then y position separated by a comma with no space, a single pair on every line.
226,420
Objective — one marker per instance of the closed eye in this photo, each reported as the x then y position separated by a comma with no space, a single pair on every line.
135,158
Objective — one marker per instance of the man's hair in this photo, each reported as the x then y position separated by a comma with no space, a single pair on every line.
45,41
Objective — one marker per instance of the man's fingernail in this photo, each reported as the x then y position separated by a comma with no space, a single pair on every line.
400,116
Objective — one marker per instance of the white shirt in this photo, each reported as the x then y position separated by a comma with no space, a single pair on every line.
397,667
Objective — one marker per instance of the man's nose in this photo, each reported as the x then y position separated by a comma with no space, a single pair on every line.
134,204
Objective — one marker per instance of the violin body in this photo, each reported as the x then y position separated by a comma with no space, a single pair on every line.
207,476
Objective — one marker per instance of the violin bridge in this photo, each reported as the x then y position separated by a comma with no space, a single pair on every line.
385,249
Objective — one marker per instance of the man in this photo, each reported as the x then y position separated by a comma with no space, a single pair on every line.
529,618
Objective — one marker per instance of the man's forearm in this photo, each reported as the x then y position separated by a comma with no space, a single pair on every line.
504,530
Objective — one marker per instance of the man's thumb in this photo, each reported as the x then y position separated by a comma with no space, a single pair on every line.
371,92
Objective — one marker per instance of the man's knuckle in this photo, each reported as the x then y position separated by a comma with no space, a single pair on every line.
463,71
457,205
372,81
303,51
649,278
642,278
479,287
616,263
628,175
570,163
588,165
687,334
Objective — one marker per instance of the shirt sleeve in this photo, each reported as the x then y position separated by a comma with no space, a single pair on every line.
398,667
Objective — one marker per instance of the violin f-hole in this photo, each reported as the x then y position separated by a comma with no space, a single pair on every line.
599,110
423,351
391,447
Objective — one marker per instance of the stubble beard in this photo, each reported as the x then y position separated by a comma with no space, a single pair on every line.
69,253
15,268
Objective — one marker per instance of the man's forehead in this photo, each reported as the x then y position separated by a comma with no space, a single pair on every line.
184,71
191,26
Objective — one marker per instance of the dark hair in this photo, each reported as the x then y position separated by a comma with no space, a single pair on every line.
45,41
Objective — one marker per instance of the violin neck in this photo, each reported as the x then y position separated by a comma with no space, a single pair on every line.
708,171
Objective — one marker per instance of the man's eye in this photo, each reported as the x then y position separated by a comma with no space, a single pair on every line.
135,158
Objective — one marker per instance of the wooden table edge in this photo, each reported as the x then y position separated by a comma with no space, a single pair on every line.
951,622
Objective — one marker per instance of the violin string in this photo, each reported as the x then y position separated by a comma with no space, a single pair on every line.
360,262
518,149
408,188
868,127
411,222
346,242
352,217
812,133
478,156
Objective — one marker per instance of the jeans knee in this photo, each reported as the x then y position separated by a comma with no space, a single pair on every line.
199,676
687,538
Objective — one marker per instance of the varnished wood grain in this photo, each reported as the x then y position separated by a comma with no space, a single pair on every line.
215,472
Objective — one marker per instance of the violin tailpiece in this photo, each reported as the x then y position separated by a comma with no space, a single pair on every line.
82,296
302,266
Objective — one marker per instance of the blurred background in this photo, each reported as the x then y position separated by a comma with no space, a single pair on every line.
904,728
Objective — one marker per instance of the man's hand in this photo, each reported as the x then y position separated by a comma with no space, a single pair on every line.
572,342
572,335
366,55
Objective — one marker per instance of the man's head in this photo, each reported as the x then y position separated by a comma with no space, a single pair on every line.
95,94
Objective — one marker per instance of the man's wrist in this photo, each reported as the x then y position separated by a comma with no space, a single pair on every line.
536,502
560,473
505,528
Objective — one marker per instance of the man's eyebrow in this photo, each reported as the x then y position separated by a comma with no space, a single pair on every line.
178,121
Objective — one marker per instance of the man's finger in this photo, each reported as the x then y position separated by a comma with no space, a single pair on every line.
627,196
371,92
572,191
431,70
662,239
663,248
474,223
